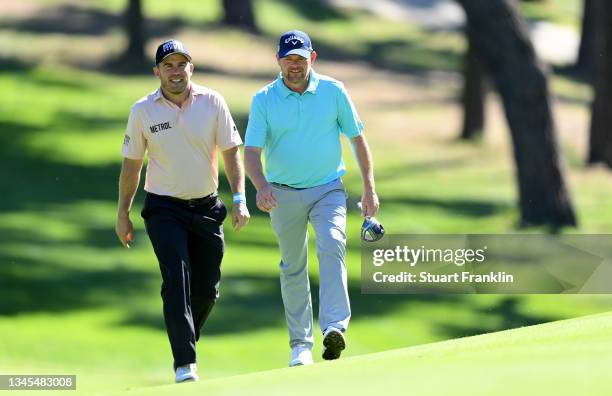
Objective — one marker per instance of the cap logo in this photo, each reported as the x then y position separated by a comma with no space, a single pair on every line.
294,40
169,46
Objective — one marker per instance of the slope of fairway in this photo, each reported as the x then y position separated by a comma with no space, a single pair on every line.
570,357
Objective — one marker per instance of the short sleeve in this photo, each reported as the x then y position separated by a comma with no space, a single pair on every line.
257,128
348,119
227,133
134,142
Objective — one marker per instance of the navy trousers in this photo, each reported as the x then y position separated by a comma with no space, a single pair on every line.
187,237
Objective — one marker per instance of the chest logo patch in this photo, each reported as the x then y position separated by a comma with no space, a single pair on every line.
160,127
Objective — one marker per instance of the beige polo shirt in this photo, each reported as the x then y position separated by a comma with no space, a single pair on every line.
181,143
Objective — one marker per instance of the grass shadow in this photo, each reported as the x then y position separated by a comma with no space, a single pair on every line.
316,10
28,286
454,206
253,302
40,180
13,65
400,55
507,315
71,19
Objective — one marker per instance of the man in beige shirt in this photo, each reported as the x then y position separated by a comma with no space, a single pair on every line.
181,126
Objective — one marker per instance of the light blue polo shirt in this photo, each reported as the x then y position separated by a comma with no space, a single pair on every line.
300,134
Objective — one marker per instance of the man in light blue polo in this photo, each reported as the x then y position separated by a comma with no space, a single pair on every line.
297,121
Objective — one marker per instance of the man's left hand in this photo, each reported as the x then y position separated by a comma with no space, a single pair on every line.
240,216
369,204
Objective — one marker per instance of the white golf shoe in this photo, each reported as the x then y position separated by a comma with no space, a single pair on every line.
300,356
186,373
333,343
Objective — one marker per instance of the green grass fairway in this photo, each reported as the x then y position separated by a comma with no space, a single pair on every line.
570,357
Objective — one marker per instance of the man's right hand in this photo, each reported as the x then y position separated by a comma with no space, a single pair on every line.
265,198
124,230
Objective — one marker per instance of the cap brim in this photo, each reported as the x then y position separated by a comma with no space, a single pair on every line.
301,52
186,55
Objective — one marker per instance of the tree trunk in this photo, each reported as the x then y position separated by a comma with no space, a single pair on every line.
239,13
600,145
502,39
586,52
134,23
474,93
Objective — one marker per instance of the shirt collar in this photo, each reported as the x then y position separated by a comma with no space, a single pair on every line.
313,83
158,94
197,90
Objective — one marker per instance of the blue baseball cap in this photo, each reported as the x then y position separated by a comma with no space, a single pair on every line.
294,42
170,47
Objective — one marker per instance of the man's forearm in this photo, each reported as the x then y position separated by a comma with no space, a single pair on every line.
128,184
234,170
252,159
364,160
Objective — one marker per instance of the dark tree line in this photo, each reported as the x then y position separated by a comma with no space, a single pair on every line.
586,53
134,25
600,143
594,63
237,13
499,36
474,91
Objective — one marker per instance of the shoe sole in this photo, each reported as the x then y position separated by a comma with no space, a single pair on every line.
334,345
188,379
300,363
